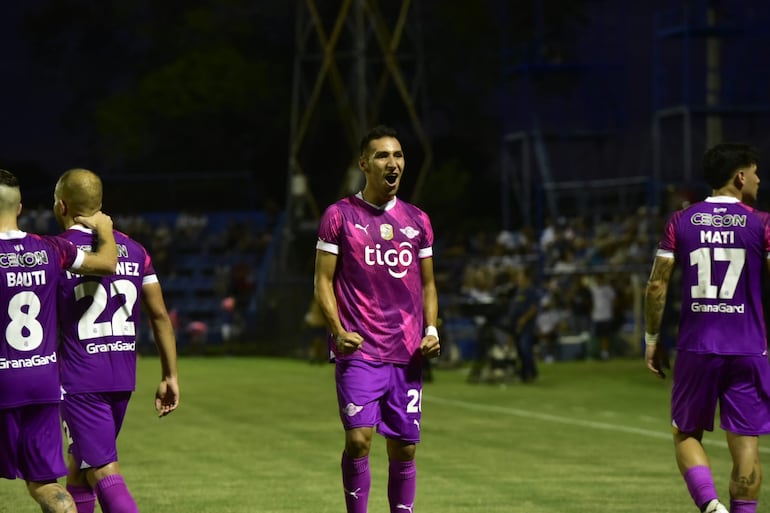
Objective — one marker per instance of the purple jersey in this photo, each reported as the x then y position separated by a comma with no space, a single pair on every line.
378,283
100,319
721,246
30,269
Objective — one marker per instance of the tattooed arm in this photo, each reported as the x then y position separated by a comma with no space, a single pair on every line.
654,304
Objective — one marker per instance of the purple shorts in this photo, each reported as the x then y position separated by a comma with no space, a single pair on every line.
385,395
740,384
92,423
31,443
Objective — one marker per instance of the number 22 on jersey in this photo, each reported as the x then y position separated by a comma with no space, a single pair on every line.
119,325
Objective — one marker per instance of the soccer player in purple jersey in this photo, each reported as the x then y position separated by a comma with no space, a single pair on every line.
30,269
721,247
100,319
374,282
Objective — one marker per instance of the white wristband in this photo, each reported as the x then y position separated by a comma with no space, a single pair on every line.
431,330
651,339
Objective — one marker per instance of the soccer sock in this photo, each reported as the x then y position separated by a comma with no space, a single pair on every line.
402,485
739,506
84,497
700,484
114,496
356,479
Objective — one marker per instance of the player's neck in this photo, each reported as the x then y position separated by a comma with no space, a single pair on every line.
68,223
378,200
728,191
8,224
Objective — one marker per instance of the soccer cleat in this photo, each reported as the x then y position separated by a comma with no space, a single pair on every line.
714,506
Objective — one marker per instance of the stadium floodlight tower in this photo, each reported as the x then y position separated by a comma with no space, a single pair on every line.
358,55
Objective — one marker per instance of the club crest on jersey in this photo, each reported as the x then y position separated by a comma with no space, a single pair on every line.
410,232
386,231
352,409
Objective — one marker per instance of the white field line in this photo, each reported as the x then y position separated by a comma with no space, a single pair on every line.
556,419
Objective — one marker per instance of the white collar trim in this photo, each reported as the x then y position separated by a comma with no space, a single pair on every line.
722,199
12,234
387,206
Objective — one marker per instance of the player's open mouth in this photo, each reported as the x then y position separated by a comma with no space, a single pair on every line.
391,178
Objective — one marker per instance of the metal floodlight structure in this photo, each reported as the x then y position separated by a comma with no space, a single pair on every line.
357,60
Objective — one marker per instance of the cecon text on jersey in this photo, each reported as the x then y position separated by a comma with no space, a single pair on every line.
28,259
718,220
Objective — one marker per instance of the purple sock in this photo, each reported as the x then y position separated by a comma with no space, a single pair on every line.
84,497
739,506
700,484
356,479
114,496
402,485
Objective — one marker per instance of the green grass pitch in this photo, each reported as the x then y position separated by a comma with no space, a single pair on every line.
262,435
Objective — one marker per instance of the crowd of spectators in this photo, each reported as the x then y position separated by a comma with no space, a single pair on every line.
207,263
588,274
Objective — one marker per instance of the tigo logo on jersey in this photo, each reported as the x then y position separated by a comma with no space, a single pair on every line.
392,258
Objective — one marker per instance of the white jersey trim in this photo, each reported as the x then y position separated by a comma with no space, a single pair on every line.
665,253
79,258
12,234
722,199
387,206
81,228
425,253
328,247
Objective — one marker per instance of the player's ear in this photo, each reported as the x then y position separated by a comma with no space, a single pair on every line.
740,179
61,206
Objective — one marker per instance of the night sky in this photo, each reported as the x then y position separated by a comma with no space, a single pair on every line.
57,78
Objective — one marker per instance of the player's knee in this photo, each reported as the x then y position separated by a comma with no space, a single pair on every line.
357,443
400,450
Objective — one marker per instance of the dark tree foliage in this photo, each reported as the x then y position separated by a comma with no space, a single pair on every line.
173,85
204,85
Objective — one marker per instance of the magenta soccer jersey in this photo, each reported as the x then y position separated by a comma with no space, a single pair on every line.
100,318
30,269
721,246
378,283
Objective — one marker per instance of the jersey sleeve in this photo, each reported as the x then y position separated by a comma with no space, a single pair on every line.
69,255
667,244
426,246
330,229
765,216
150,276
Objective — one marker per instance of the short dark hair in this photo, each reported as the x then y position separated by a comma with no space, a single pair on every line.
721,162
377,132
8,178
